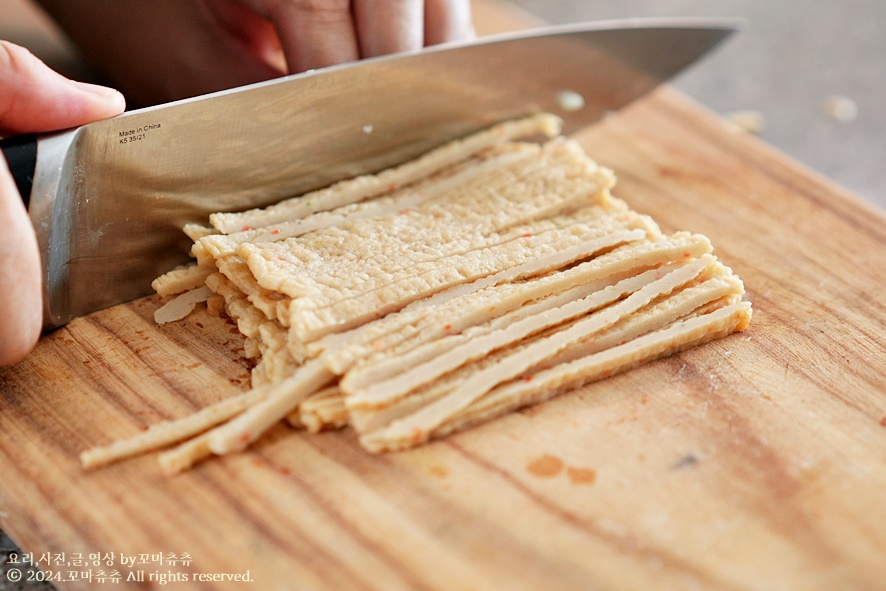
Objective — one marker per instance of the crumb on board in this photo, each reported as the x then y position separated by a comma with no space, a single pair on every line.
747,120
570,101
841,108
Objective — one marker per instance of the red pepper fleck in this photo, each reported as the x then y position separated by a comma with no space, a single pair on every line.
527,234
247,228
687,254
275,231
447,328
527,379
883,422
244,438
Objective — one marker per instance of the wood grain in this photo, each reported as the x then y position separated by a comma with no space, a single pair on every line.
755,462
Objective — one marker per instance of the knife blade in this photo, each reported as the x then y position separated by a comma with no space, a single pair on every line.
109,199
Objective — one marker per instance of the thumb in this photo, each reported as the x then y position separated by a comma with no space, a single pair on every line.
35,98
20,281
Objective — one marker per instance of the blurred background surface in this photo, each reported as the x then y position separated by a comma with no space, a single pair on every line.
788,65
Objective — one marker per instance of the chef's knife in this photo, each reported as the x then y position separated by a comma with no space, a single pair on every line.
108,199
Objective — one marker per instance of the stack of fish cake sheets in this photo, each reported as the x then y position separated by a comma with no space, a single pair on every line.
486,275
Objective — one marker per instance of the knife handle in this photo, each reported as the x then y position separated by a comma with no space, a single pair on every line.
21,155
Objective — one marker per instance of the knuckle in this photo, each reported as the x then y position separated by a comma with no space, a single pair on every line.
15,59
320,9
17,65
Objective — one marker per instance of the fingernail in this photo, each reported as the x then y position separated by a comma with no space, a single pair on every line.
113,99
102,91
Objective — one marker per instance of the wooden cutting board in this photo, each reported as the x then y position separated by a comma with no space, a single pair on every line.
755,462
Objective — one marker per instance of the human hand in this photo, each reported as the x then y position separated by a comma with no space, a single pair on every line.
318,33
163,50
32,98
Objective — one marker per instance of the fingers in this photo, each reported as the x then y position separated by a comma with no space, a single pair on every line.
314,33
20,287
243,25
448,20
319,33
389,26
35,98
163,50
